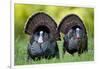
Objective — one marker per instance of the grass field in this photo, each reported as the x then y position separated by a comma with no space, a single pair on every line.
21,54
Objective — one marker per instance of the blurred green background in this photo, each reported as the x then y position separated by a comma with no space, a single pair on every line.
23,11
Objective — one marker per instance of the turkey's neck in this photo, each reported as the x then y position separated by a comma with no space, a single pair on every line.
77,35
40,39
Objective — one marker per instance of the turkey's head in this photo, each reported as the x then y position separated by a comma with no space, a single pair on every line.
40,39
78,33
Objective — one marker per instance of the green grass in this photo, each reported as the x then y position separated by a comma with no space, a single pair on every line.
21,54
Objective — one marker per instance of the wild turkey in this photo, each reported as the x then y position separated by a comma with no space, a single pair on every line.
43,35
75,39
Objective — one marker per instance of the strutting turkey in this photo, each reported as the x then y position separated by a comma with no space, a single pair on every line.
43,35
73,41
75,35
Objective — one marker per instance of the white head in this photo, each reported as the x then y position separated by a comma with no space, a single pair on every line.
40,40
77,33
77,29
41,33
